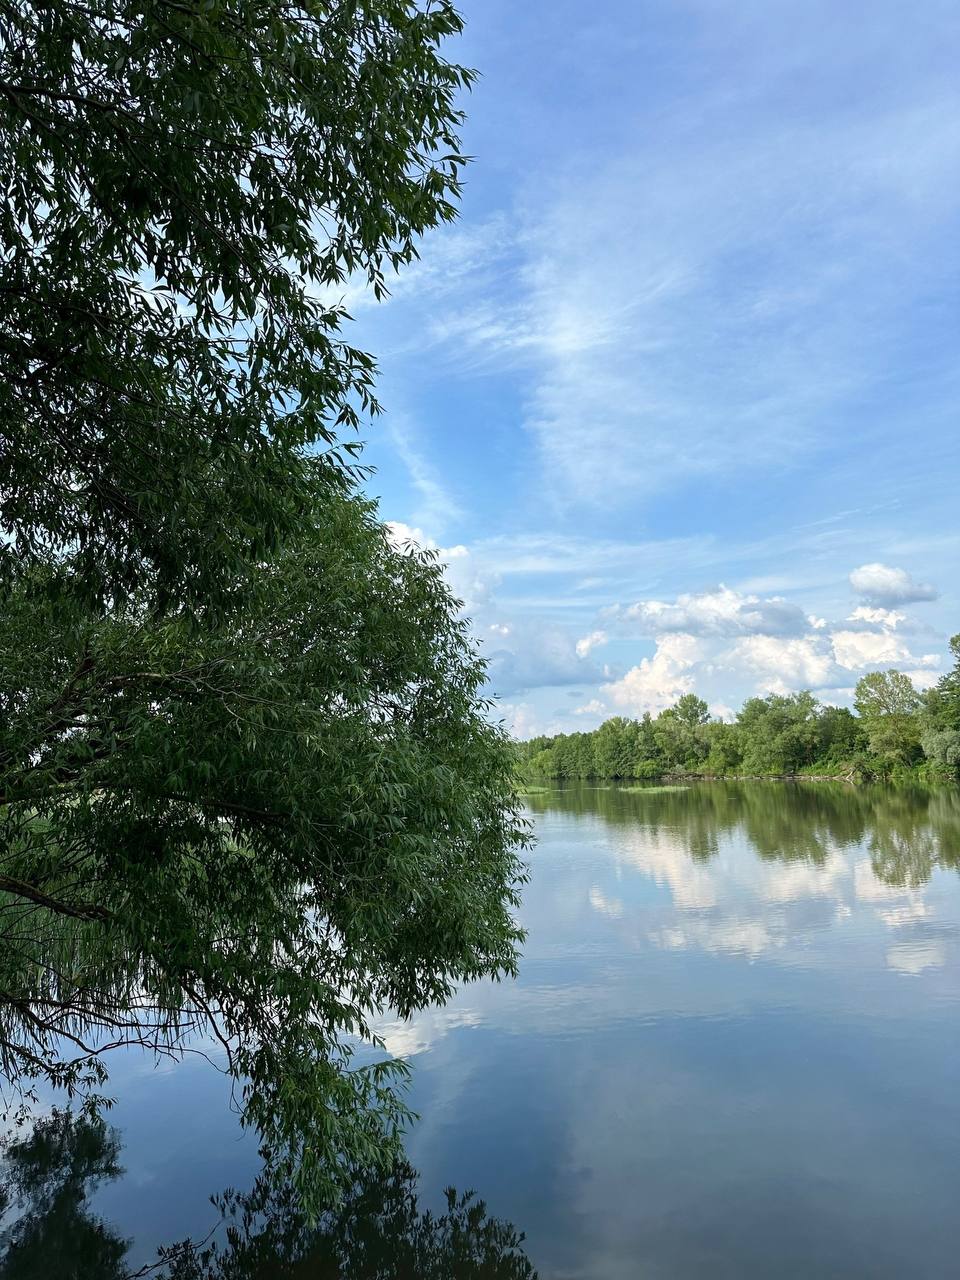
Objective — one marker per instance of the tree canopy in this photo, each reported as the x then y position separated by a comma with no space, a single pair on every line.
896,727
183,191
249,790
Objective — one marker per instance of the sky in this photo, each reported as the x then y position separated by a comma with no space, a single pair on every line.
676,397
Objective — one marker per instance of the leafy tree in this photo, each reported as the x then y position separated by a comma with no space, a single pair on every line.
725,750
778,734
648,761
940,717
841,736
268,831
885,693
615,748
248,787
888,702
691,710
183,191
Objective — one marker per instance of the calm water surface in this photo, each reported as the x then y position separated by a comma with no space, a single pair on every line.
733,1051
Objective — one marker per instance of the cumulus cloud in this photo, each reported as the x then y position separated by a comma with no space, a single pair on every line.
523,721
723,612
592,641
925,678
535,655
723,642
884,586
783,663
657,682
855,649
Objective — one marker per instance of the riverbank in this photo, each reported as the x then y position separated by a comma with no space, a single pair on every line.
851,777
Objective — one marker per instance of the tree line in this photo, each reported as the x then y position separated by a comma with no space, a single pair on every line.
894,730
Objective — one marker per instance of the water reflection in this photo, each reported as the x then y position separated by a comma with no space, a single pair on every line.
378,1231
763,869
908,831
49,1176
731,1051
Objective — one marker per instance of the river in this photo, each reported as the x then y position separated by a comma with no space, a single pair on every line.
733,1051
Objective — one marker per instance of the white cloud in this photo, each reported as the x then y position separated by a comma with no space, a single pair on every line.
723,612
721,711
878,617
592,641
723,643
658,681
884,586
855,649
783,663
523,721
925,679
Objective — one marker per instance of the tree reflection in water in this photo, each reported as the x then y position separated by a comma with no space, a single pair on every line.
48,1178
377,1232
907,831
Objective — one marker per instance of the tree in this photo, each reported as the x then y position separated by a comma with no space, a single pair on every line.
779,733
248,786
724,741
269,830
678,732
841,737
691,710
888,702
615,748
184,189
940,717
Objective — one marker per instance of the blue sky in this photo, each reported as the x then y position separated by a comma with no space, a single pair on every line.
677,396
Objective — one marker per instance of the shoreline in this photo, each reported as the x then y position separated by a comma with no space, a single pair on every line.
847,779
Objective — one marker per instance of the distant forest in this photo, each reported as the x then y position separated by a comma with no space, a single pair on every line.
895,731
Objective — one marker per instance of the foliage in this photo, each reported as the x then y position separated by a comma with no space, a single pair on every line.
793,734
184,190
887,703
940,717
269,830
248,787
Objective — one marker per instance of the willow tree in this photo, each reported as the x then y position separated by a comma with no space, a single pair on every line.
248,787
